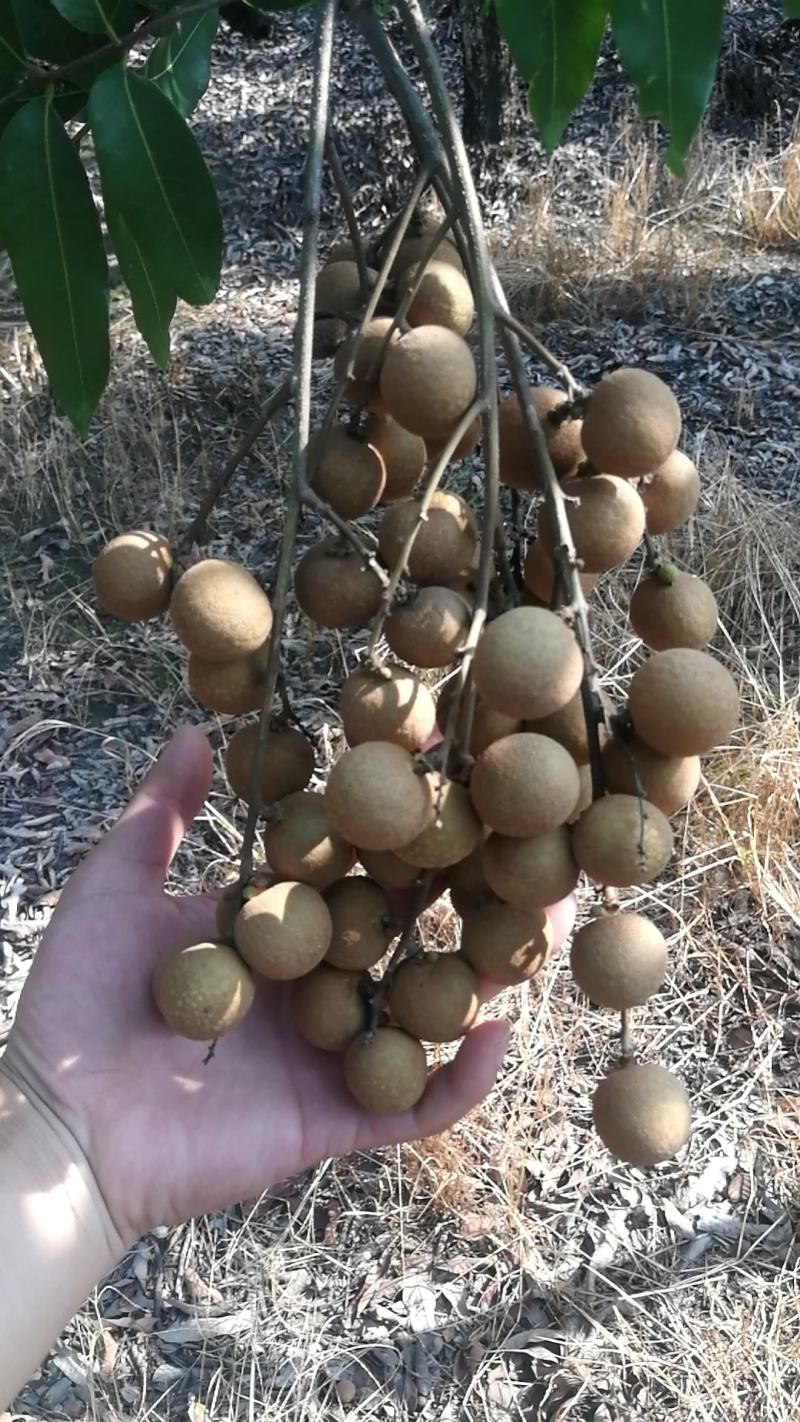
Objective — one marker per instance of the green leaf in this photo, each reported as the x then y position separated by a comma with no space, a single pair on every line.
12,52
180,63
52,233
554,44
99,17
47,36
153,302
278,4
792,8
670,50
154,175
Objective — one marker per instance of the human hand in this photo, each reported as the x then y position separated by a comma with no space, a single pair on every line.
165,1136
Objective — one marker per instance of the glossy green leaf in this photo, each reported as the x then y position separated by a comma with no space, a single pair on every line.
554,44
278,4
154,175
180,63
153,302
670,49
51,230
47,36
12,50
111,18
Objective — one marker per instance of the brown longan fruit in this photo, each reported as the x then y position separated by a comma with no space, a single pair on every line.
619,960
387,869
302,843
428,380
404,456
328,1007
668,782
443,297
335,587
504,944
527,663
517,457
203,991
284,932
434,997
387,705
567,725
642,1114
539,574
673,609
362,923
632,423
229,688
683,702
428,630
524,785
232,898
219,612
345,471
363,387
288,763
444,545
585,795
452,832
606,519
375,798
386,1070
622,840
133,576
414,249
469,441
488,725
467,883
671,494
338,291
530,873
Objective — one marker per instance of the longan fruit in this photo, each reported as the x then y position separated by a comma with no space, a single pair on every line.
504,944
335,587
444,545
374,797
673,609
619,960
346,472
413,250
387,705
219,612
469,441
585,795
229,688
338,290
404,456
622,840
527,663
387,869
328,1007
443,297
363,387
428,380
642,1114
133,576
288,763
434,997
671,494
632,423
428,630
302,843
203,991
467,883
683,702
386,1070
524,785
488,725
539,574
284,932
452,832
530,873
668,782
567,725
606,519
232,898
362,923
517,456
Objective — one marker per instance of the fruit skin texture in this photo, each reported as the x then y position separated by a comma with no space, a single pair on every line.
606,524
219,612
434,997
504,944
397,707
469,440
467,883
444,544
568,727
413,249
678,613
203,991
642,1114
524,785
672,494
683,702
449,837
346,472
375,799
517,457
668,782
132,576
539,574
288,763
530,873
328,1007
338,290
632,425
585,796
362,923
621,840
229,688
527,663
428,630
387,870
488,725
404,456
386,1071
284,932
304,845
443,297
363,388
428,380
619,960
335,587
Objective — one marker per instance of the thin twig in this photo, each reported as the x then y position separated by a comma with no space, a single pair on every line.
347,531
527,338
346,199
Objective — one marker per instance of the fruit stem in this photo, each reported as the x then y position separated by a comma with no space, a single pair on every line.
377,999
626,1035
653,554
310,497
558,368
346,199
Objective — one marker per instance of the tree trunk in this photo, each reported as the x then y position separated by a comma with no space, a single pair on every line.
488,78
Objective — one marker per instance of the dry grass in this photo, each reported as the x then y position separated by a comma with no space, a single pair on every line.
768,193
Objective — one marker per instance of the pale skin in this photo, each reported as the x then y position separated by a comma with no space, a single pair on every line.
111,1125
